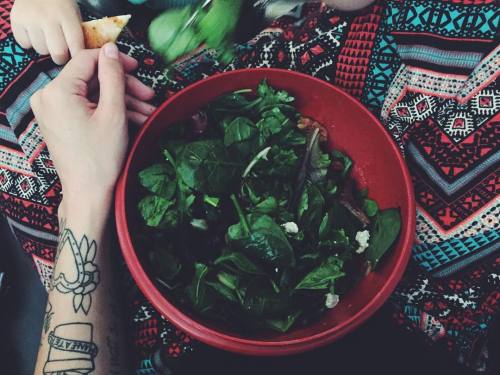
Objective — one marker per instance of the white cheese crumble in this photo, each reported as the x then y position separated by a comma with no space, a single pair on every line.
332,300
362,240
291,227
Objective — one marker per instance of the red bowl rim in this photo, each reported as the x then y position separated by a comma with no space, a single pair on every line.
252,346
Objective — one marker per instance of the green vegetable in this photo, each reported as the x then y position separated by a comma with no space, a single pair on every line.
166,36
159,179
252,221
153,209
262,299
241,262
370,207
177,32
205,166
311,208
283,324
383,234
197,290
166,264
322,276
239,130
259,236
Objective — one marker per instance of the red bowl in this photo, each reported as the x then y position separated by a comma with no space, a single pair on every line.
378,165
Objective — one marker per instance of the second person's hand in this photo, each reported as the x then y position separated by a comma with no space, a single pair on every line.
49,27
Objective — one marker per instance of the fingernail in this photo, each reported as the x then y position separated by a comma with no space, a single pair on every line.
111,51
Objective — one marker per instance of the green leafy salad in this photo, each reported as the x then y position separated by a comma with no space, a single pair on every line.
249,219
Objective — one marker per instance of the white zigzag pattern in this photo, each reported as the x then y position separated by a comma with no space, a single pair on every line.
484,219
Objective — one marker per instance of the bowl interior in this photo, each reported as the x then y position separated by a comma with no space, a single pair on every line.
352,129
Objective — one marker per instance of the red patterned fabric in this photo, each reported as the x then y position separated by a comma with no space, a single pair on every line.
434,86
354,57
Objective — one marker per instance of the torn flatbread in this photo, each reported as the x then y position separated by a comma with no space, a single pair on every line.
104,30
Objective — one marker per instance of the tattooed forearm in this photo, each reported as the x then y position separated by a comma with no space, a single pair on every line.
48,317
81,275
87,337
71,350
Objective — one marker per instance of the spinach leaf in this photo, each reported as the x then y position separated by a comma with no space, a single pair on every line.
272,122
224,291
290,137
232,103
323,275
261,299
229,280
311,208
383,234
159,179
241,262
283,324
370,207
260,237
196,291
205,166
166,265
239,130
271,98
153,209
266,206
282,162
337,240
325,226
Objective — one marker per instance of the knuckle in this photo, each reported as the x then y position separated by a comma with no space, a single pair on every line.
59,57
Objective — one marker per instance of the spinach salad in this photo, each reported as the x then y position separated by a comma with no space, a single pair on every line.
250,220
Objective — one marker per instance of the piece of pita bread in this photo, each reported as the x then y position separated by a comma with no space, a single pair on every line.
104,30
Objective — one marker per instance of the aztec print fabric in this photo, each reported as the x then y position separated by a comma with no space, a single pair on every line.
443,110
428,68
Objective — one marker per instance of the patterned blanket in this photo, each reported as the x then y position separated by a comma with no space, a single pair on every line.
428,68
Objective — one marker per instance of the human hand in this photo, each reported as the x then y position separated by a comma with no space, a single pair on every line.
349,5
48,26
86,134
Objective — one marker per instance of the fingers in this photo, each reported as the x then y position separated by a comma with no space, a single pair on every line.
111,83
56,44
136,118
139,106
138,89
21,36
80,70
37,38
129,63
73,34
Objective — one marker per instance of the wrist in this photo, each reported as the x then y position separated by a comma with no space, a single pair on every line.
85,208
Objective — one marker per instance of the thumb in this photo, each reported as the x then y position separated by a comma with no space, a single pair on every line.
111,83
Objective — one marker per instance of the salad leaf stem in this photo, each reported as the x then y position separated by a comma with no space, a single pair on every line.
261,155
241,215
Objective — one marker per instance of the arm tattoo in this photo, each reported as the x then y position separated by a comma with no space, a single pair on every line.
48,317
71,350
82,279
